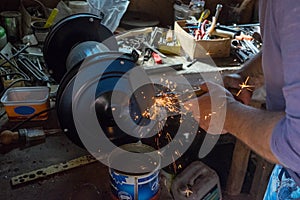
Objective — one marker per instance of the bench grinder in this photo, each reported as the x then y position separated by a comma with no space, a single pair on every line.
67,45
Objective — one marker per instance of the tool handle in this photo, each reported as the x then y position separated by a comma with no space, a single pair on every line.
215,19
204,15
157,58
218,10
8,137
51,18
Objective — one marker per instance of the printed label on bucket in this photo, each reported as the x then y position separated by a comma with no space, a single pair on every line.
124,187
24,110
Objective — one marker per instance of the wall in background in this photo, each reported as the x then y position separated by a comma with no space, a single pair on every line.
14,4
234,11
162,9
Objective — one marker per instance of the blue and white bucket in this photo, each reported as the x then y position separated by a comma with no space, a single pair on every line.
142,185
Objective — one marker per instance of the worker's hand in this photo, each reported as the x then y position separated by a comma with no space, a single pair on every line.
233,83
209,110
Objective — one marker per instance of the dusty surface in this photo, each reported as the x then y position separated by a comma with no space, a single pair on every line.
86,182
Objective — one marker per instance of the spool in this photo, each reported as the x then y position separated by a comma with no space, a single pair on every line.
11,21
135,19
79,7
142,185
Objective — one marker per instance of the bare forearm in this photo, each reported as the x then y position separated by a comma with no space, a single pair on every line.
253,126
253,69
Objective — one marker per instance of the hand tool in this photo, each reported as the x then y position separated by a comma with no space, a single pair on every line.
28,135
204,15
241,56
153,69
51,18
18,52
6,54
157,58
200,32
191,63
34,70
244,25
224,31
214,21
191,20
251,46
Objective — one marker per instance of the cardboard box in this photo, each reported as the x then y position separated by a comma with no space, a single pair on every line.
215,48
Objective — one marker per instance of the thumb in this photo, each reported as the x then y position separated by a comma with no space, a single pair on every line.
204,87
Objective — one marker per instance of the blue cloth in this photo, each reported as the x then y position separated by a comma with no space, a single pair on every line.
281,186
280,28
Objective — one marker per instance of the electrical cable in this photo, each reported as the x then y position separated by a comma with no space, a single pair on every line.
2,115
12,84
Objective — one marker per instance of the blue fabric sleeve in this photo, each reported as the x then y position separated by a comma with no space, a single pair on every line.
285,142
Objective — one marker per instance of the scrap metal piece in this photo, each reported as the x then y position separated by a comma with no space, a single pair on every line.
53,169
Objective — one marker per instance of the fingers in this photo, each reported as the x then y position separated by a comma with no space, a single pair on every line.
244,96
232,81
204,87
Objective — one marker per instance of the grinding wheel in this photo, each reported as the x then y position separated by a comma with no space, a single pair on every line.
69,32
65,101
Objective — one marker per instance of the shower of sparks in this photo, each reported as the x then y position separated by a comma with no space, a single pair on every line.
171,103
187,192
244,85
209,115
168,137
163,100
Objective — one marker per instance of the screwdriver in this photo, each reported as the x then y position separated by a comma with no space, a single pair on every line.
199,33
51,18
204,15
214,21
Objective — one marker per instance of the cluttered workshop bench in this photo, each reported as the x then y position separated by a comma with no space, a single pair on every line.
36,152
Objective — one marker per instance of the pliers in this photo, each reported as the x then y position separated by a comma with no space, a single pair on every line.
201,31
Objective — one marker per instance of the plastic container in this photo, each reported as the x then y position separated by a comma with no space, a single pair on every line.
183,11
197,181
79,7
22,102
11,22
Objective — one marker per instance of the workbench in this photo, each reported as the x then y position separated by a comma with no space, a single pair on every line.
89,182
92,180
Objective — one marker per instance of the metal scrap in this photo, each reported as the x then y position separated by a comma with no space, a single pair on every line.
53,169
